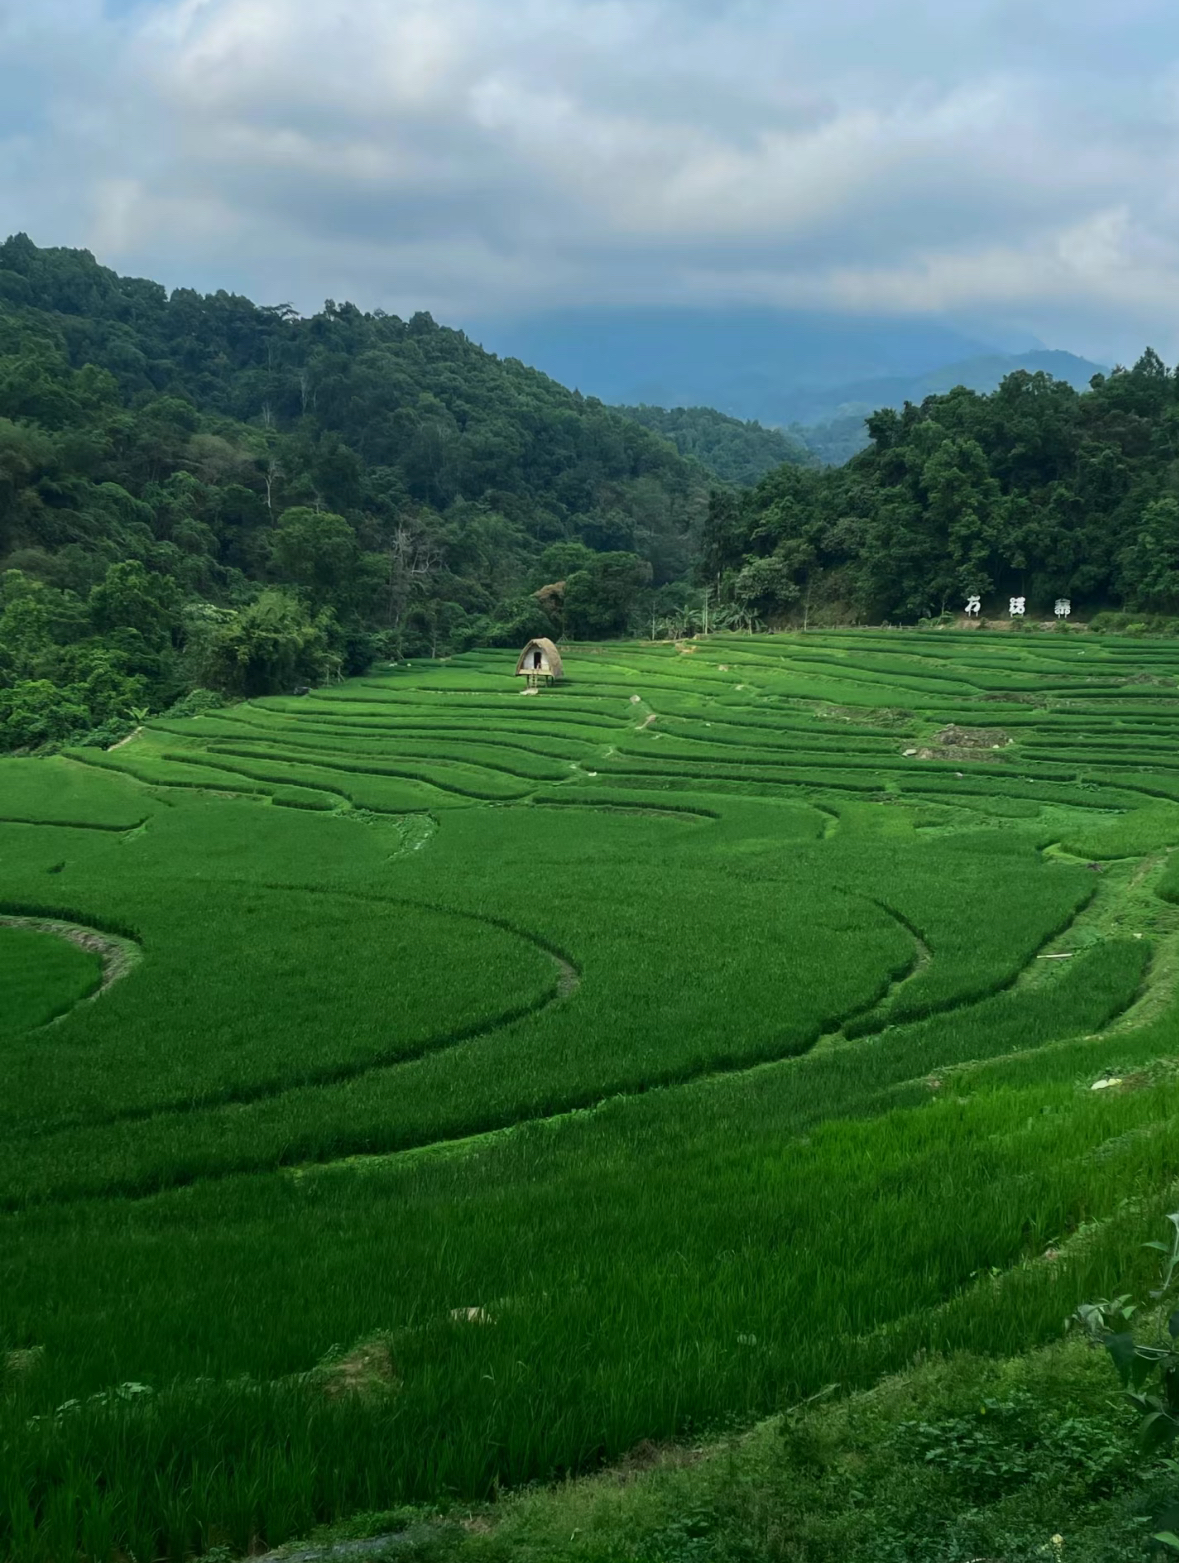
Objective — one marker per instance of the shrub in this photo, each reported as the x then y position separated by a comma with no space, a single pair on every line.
35,712
196,703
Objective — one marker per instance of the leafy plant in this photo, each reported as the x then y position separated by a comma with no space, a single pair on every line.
1149,1371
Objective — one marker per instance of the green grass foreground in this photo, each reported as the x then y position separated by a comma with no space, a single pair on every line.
443,1139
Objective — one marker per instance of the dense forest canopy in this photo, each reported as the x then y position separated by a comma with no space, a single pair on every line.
1035,490
202,494
736,451
197,491
834,441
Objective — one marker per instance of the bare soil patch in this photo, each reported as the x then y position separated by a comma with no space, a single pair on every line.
955,737
366,1370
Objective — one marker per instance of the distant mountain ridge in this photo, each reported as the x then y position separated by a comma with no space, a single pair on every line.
815,376
736,360
983,372
831,423
829,426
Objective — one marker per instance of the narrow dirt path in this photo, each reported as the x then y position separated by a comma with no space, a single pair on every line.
1125,905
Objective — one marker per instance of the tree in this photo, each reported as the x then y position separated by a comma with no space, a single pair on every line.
268,646
1150,565
35,712
601,600
315,550
561,560
412,556
128,597
964,512
765,588
25,636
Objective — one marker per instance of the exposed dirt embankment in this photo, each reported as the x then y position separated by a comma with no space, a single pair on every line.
956,743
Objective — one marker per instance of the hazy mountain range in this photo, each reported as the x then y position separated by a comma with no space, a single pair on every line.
980,373
818,374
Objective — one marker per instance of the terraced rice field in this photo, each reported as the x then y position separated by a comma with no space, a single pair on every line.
416,1088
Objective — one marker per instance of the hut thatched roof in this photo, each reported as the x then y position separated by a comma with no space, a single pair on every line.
551,655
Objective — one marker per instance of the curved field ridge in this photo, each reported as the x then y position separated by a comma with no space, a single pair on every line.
608,1062
395,980
41,980
117,954
54,791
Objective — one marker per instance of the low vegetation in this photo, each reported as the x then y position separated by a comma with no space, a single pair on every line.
511,1086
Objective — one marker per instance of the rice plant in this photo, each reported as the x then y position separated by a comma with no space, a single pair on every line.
507,1081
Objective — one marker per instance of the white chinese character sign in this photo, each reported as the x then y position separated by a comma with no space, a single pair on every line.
973,607
1063,607
1019,606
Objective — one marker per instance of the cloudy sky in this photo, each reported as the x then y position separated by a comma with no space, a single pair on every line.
1003,162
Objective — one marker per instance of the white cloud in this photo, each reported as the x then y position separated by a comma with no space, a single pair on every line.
469,156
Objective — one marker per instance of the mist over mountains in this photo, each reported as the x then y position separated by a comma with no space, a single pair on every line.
982,373
816,372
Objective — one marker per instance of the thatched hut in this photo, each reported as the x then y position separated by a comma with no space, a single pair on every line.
540,659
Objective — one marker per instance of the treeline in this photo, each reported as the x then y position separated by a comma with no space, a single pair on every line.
1035,490
198,492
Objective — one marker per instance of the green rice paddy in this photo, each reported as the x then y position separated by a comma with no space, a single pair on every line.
505,1081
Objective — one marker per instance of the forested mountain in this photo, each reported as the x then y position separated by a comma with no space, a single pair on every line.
799,371
199,491
734,451
836,440
1035,490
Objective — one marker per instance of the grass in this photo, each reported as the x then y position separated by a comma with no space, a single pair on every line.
510,1082
54,792
847,1481
41,977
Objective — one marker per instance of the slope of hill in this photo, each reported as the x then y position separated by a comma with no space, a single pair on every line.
508,1086
197,489
734,451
